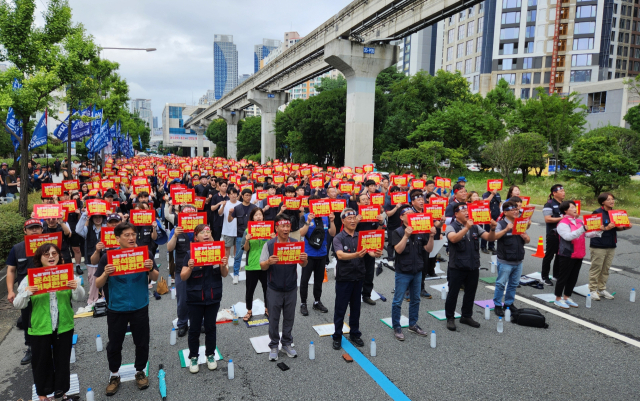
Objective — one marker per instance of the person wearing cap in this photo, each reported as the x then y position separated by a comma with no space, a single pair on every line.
241,214
57,225
510,257
464,263
282,289
89,228
17,265
350,275
552,216
363,199
494,207
459,196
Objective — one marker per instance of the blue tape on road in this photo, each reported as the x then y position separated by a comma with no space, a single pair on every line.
366,365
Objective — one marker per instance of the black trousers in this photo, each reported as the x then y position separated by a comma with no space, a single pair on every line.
553,244
217,233
347,294
483,242
457,278
567,275
391,252
25,314
196,313
253,277
428,268
314,266
369,274
117,327
50,362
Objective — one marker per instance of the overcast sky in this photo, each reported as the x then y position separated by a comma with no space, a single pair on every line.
182,31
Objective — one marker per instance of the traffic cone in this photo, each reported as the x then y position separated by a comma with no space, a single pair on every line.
325,276
540,252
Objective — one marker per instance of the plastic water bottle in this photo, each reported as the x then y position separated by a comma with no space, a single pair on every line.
82,280
168,280
487,313
73,355
507,315
438,266
312,351
230,369
172,340
99,343
500,325
235,319
493,267
373,347
90,395
433,338
173,292
632,295
588,305
443,292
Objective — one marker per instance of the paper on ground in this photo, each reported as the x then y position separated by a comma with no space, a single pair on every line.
241,308
224,315
526,280
202,358
483,304
328,329
128,372
374,296
440,314
437,245
404,321
261,344
546,297
438,269
439,287
488,280
74,388
535,276
582,290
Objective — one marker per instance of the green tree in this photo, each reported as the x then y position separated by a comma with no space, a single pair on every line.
500,102
388,77
628,139
504,155
427,157
43,59
534,148
217,133
327,83
249,137
599,163
284,124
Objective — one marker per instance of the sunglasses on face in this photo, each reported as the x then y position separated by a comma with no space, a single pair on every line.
51,254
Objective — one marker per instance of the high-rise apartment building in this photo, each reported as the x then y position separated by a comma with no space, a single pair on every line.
261,51
225,65
243,78
143,108
155,122
416,51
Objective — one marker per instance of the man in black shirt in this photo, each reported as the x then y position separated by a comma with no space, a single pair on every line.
369,261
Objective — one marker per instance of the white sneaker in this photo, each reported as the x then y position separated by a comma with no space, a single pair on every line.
605,294
193,367
211,362
594,295
235,279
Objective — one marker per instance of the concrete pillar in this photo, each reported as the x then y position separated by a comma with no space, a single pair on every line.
200,135
232,118
268,104
360,65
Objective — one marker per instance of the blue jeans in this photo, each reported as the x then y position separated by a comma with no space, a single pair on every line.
238,258
404,282
10,197
509,276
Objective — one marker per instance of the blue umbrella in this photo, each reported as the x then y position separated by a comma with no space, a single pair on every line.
162,383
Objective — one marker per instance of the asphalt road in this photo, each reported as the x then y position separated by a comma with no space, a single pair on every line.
565,362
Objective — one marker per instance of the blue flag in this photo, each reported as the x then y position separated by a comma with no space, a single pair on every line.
140,142
12,121
101,140
39,137
79,128
62,131
113,133
97,122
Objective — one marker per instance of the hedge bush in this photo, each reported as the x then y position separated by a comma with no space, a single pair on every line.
12,224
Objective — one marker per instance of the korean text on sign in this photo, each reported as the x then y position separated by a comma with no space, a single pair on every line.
189,221
128,261
371,240
479,214
494,185
288,252
320,207
260,229
97,207
420,222
47,211
369,213
33,242
593,222
51,278
207,253
142,217
520,226
108,238
620,218
399,197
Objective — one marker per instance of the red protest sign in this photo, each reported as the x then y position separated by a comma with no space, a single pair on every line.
47,211
274,200
304,201
443,182
108,238
377,199
399,180
479,213
129,260
71,185
619,218
139,181
51,190
337,205
367,168
261,194
418,184
578,206
50,278
320,207
369,213
525,200
520,226
593,222
183,196
291,203
189,221
98,207
138,189
371,240
436,200
399,197
316,183
207,253
527,212
494,185
260,229
33,242
68,205
288,252
107,184
345,187
199,202
437,211
140,217
420,222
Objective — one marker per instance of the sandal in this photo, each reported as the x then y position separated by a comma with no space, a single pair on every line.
247,316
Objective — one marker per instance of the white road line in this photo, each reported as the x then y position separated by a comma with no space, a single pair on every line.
573,319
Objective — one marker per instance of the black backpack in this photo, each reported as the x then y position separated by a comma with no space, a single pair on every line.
529,317
316,238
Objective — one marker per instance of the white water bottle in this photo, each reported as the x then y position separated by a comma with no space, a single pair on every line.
500,325
173,292
588,305
433,338
99,343
230,369
507,315
373,347
632,295
312,351
172,340
90,395
169,280
443,292
493,267
73,355
487,313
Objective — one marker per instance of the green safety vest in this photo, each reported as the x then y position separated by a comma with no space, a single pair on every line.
41,315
